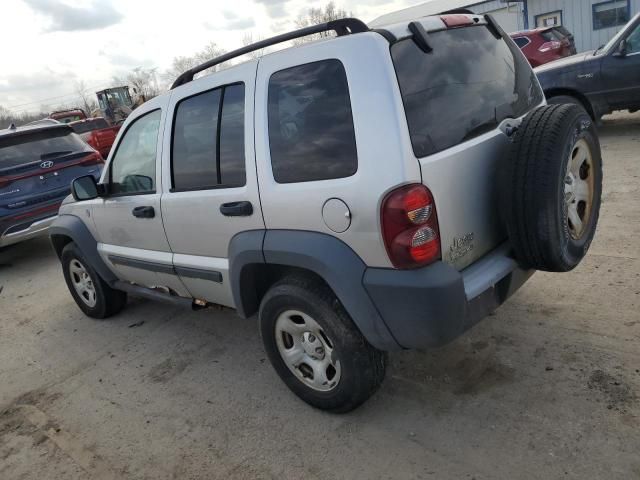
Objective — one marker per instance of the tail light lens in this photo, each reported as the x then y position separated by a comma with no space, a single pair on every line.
92,159
548,46
410,227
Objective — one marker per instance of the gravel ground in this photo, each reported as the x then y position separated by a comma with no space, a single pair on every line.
547,387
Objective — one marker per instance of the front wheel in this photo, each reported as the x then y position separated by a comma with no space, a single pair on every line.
315,347
91,293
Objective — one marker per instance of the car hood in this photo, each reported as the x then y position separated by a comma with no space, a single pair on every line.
566,63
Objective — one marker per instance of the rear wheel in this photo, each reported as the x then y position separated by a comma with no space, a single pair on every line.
92,294
315,347
553,188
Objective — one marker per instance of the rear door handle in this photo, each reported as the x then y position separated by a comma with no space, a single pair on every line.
236,209
144,212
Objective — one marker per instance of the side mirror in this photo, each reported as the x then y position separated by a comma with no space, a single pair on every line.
84,188
621,51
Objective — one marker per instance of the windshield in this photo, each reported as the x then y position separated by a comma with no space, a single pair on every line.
466,86
90,125
37,146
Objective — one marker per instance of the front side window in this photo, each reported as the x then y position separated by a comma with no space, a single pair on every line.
610,14
208,140
311,132
133,168
465,87
633,42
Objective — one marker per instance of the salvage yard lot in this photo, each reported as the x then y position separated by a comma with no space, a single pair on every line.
547,387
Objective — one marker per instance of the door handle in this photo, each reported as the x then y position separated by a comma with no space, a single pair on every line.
236,209
144,212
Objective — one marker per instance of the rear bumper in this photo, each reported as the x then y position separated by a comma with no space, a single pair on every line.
24,231
431,306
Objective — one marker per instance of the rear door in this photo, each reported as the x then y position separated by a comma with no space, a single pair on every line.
129,220
209,177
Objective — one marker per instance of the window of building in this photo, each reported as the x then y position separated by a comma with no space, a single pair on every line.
551,19
207,148
610,14
311,133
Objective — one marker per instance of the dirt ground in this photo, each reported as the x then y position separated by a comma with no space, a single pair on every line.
547,387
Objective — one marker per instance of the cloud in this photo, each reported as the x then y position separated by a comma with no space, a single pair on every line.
275,8
66,18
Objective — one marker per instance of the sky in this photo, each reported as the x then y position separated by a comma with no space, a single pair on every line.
50,45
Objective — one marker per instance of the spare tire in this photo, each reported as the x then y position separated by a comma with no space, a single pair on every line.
552,187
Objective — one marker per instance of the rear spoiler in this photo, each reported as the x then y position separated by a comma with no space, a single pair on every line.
20,131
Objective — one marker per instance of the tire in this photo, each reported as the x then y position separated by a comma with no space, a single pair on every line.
352,370
105,301
565,99
546,231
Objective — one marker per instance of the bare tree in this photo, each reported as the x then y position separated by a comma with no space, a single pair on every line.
314,16
181,64
249,39
87,100
143,82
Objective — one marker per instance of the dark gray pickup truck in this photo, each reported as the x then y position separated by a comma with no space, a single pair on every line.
603,80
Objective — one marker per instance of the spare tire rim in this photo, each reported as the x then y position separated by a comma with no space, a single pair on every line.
307,351
578,189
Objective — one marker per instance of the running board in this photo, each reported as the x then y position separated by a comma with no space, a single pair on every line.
153,294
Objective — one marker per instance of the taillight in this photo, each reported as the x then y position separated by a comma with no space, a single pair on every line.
548,46
92,159
410,227
4,183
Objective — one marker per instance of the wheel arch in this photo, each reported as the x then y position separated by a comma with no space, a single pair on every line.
69,228
259,258
586,103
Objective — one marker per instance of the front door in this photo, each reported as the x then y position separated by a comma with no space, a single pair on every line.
621,74
209,174
128,220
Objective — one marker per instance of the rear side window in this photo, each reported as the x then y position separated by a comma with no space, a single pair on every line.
39,146
466,86
90,125
208,140
522,41
311,133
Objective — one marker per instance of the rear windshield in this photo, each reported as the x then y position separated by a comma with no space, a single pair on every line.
39,146
90,125
466,86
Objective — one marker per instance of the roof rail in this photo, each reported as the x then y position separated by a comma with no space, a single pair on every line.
343,26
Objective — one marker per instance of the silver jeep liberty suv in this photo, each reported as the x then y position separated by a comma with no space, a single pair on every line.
372,191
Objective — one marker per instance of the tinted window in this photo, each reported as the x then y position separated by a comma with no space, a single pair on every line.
133,168
521,41
195,141
610,14
39,146
198,161
311,132
232,161
468,84
633,41
89,125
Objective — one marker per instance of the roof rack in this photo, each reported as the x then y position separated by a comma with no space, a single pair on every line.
343,26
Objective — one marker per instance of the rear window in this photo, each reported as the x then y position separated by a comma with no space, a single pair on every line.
522,41
90,125
466,86
39,146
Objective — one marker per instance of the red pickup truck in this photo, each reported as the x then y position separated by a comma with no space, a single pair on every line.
97,133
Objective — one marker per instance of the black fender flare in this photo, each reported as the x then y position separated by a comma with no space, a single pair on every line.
324,255
72,227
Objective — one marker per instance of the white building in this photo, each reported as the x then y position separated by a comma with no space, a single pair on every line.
592,22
